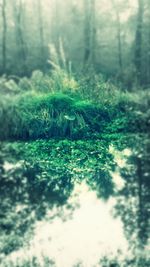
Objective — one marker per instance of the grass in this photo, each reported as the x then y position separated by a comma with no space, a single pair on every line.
51,115
74,109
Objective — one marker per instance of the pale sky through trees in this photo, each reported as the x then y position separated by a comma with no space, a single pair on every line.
106,40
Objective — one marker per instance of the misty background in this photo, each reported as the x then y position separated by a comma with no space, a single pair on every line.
112,37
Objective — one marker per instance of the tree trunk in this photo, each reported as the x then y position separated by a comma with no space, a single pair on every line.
140,203
4,41
20,32
89,33
138,42
148,52
41,32
119,45
56,25
87,48
93,32
21,45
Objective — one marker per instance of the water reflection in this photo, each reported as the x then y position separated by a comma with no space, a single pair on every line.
87,235
85,200
133,199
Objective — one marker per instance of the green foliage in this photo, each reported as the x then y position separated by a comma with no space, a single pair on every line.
118,125
62,79
8,86
65,158
119,260
97,88
33,116
41,83
33,261
41,175
42,110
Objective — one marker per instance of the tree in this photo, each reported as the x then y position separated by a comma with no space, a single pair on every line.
119,41
21,45
134,199
139,41
41,32
56,25
148,42
89,33
4,35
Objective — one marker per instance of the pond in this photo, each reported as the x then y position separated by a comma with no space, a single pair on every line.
75,203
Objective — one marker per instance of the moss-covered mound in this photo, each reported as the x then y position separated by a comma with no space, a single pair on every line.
31,116
51,115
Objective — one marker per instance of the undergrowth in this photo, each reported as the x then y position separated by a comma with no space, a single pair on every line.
57,105
51,115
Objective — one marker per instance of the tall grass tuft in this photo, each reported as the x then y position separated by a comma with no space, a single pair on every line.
61,71
52,115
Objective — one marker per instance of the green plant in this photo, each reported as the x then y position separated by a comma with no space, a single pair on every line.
33,261
32,116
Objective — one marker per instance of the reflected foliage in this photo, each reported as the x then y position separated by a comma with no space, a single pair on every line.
38,175
133,200
30,262
119,260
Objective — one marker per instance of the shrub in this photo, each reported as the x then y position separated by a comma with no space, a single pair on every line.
8,86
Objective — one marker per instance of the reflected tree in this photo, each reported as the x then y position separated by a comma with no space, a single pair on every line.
133,201
4,34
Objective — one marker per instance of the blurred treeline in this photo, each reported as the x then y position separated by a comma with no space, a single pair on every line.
110,37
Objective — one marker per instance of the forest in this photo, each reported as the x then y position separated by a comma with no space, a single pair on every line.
75,133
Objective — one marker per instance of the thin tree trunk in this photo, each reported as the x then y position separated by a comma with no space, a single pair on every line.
56,23
119,45
20,40
89,33
87,48
41,32
120,60
138,41
148,56
22,50
93,32
140,204
4,41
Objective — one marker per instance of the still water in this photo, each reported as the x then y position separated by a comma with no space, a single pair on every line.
90,233
87,227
